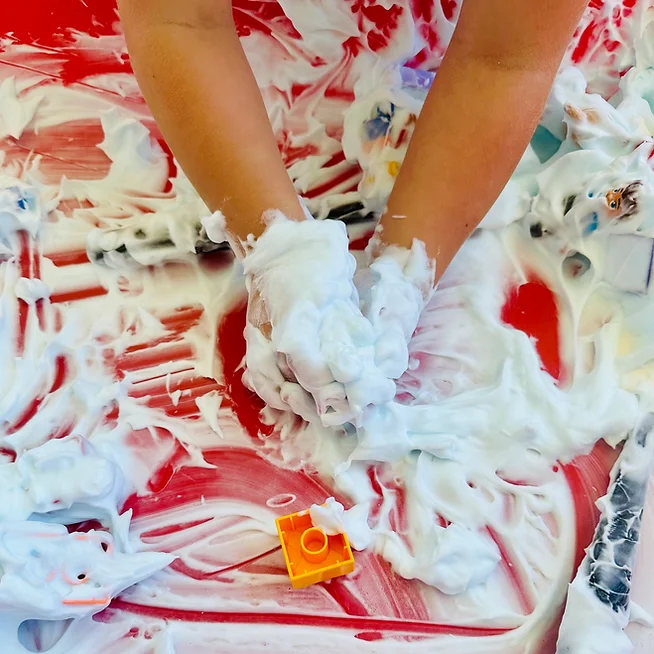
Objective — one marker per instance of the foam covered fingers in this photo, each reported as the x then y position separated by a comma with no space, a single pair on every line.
300,276
394,290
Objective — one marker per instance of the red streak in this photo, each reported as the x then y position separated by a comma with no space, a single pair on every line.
198,575
231,346
532,308
588,38
79,294
154,357
332,183
33,21
513,573
307,620
68,258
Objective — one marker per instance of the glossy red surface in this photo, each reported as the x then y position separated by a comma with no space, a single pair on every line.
377,604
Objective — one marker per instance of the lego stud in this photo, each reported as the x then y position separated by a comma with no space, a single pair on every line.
314,545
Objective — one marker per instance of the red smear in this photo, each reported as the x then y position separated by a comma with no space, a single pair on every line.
35,21
532,308
62,431
61,372
588,479
7,455
173,337
628,7
160,386
332,183
172,166
68,258
377,489
361,242
185,317
305,620
167,531
231,346
335,159
422,9
385,22
153,357
23,314
292,154
86,526
78,294
339,591
261,16
449,7
199,575
513,573
589,37
27,415
161,478
82,63
369,636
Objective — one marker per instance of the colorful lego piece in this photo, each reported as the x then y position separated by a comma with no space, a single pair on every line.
312,556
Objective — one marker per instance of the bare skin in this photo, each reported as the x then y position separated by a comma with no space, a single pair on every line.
475,125
198,84
478,118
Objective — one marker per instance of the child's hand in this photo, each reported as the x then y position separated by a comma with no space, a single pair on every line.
309,347
394,290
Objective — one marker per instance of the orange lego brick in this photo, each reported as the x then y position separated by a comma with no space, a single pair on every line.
312,556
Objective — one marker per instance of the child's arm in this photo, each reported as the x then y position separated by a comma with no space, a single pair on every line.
476,123
198,84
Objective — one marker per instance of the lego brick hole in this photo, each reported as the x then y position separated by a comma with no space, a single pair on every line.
314,545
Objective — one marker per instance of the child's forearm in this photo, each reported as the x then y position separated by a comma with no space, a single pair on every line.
198,84
476,123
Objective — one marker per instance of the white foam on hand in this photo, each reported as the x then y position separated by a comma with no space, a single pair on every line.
302,274
394,290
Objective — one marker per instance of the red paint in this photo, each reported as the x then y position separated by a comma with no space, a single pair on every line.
370,636
339,590
231,347
327,186
162,477
201,575
306,620
161,386
23,314
172,166
262,16
183,318
361,242
26,416
61,372
82,63
628,7
589,38
532,308
24,263
422,9
335,159
78,294
376,487
386,22
35,21
588,479
448,7
513,573
149,358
